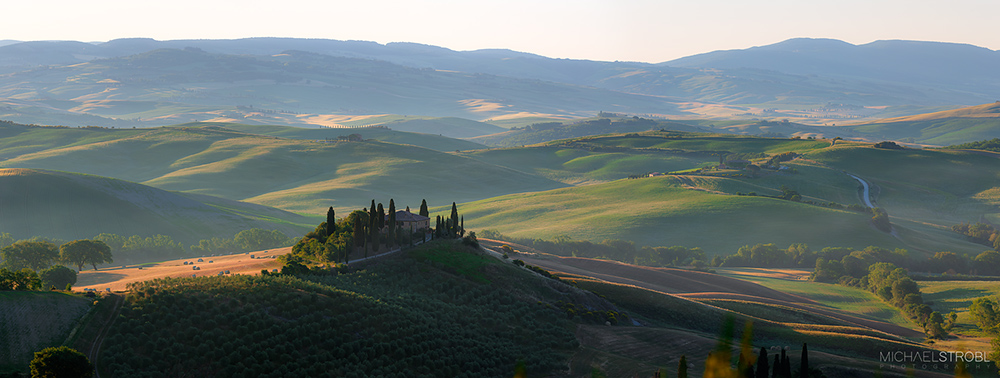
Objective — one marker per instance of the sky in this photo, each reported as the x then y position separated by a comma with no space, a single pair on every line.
609,30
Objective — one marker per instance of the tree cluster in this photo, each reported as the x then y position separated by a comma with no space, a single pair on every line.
450,227
986,313
981,233
888,145
360,233
29,264
254,239
988,145
867,270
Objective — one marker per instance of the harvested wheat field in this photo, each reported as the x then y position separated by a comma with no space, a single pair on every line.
117,279
706,286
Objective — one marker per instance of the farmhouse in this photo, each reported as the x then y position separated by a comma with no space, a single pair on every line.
413,222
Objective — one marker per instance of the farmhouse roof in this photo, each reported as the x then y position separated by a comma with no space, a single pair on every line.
406,216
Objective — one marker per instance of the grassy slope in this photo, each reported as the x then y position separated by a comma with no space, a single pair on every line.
297,175
574,166
941,128
924,191
415,313
847,299
831,347
74,206
658,211
421,139
447,126
31,321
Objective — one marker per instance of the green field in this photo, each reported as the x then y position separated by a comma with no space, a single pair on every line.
659,211
847,299
297,175
420,139
72,206
957,296
944,128
576,166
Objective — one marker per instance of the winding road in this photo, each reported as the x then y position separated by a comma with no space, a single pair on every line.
866,197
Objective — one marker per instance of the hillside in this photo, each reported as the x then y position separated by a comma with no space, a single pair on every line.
31,321
415,315
939,128
818,81
169,86
661,211
554,130
389,134
444,310
305,176
72,206
924,191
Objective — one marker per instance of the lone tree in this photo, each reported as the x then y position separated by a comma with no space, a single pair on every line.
331,222
391,236
453,230
804,363
682,367
34,255
61,362
423,209
83,252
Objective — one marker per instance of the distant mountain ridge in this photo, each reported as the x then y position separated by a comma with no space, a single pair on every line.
801,76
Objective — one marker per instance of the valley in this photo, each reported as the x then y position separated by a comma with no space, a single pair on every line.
588,219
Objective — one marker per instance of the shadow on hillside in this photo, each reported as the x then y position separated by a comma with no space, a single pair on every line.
96,278
969,294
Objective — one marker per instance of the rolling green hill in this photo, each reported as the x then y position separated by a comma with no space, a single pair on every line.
661,211
924,191
940,128
32,321
392,135
74,206
578,165
296,175
554,130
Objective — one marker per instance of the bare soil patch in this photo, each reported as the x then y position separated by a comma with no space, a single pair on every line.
118,278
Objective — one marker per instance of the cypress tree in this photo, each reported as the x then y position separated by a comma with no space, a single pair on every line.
762,366
804,362
392,224
359,231
331,222
453,229
437,228
372,240
461,229
380,221
423,209
776,367
786,365
682,367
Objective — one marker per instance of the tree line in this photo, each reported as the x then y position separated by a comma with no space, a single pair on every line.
31,264
366,231
986,313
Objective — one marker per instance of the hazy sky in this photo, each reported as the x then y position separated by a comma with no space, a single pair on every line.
637,30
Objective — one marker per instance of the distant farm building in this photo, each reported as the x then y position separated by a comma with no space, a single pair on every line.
410,221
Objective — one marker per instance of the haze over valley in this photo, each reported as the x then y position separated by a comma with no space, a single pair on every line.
297,207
